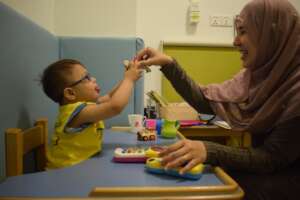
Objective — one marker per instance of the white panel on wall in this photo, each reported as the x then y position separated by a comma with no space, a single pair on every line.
95,18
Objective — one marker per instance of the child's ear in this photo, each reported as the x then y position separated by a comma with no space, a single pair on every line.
69,94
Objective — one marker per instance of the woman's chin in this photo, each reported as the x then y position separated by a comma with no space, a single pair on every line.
245,64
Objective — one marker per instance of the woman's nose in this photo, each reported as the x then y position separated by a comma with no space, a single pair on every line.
236,41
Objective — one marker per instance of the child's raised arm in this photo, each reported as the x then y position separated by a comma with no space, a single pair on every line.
113,103
108,96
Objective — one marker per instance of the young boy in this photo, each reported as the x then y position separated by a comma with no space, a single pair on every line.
78,127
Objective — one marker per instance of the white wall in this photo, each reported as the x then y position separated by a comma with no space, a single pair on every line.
167,20
39,11
153,21
296,3
95,18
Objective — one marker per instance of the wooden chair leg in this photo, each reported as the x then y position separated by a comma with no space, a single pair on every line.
41,151
14,149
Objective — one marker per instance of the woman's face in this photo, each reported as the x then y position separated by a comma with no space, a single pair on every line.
246,47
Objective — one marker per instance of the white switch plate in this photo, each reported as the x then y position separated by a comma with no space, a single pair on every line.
227,21
221,20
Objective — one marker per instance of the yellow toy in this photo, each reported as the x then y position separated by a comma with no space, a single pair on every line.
153,165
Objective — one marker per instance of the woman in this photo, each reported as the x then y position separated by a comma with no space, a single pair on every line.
263,98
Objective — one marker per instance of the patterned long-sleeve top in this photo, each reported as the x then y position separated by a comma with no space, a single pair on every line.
272,151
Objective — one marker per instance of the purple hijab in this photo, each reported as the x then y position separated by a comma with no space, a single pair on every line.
267,93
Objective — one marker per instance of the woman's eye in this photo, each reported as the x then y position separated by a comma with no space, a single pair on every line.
241,31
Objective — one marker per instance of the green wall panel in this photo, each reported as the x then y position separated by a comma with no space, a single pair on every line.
204,64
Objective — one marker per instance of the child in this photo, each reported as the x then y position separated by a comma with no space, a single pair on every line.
78,127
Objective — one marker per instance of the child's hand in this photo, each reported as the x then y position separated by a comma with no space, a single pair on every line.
133,72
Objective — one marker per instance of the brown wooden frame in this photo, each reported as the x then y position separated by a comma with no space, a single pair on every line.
229,191
19,142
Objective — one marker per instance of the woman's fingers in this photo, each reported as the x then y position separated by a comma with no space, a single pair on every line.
186,161
148,56
146,63
185,154
172,148
179,161
174,154
175,158
192,163
144,54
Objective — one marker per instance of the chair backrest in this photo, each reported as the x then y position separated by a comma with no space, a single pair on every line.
20,142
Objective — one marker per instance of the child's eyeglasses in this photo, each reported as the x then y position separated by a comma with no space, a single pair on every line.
86,77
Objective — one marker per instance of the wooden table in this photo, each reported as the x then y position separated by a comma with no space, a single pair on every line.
212,132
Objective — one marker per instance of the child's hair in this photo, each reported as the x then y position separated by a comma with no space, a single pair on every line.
54,78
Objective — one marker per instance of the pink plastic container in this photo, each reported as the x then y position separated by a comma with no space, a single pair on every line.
150,124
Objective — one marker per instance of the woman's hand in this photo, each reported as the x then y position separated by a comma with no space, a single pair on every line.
148,56
185,152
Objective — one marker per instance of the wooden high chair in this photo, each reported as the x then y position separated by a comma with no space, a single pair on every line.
20,142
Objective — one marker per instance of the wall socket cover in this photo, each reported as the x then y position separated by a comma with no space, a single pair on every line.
221,20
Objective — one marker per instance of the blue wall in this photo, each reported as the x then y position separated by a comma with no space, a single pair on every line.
104,57
25,51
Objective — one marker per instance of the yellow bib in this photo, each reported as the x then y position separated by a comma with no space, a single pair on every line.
70,146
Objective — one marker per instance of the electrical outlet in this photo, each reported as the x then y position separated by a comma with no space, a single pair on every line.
227,21
215,21
222,21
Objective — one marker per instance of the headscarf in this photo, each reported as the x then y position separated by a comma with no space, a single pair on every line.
266,93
